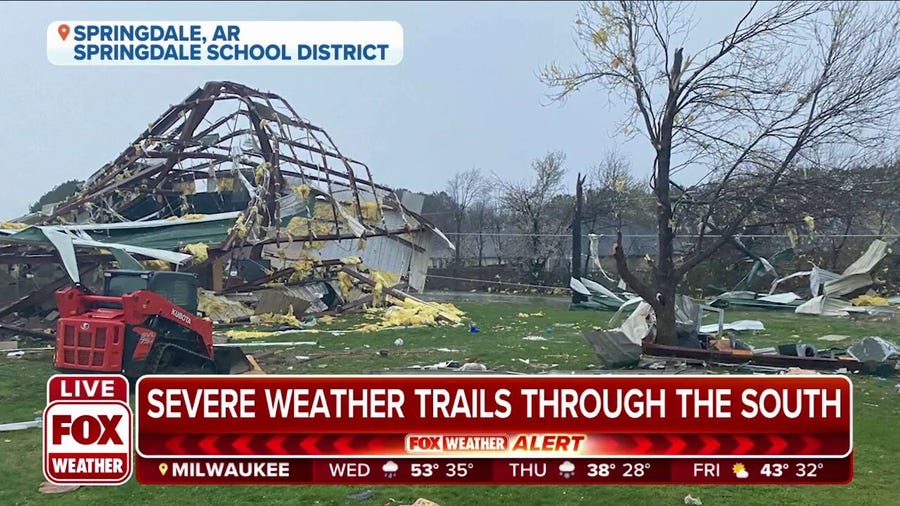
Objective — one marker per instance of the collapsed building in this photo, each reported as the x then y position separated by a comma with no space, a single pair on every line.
232,184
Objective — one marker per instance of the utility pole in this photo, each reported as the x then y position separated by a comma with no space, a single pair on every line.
576,237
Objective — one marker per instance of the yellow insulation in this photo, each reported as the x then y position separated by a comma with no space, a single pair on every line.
412,313
261,171
288,318
345,283
247,334
300,226
186,217
240,227
199,251
157,265
870,300
301,191
324,211
303,268
11,225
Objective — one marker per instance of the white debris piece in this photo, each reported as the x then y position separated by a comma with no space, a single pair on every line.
833,338
824,306
739,325
781,298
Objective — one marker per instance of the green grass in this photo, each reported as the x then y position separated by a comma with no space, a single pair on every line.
499,345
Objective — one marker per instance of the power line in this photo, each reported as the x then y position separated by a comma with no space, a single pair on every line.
546,287
685,236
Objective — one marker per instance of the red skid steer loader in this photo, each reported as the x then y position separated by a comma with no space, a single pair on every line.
145,322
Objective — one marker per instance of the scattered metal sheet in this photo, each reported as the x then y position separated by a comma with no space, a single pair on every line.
781,298
738,326
614,347
874,349
824,306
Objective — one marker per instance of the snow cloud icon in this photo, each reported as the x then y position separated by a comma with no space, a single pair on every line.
567,469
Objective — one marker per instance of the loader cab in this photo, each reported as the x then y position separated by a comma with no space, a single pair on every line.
178,287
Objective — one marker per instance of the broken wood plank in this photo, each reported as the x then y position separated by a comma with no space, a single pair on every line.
814,363
251,285
28,332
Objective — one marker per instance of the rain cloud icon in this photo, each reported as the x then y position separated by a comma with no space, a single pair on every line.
390,469
567,469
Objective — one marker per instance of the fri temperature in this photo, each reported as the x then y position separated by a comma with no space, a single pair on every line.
801,469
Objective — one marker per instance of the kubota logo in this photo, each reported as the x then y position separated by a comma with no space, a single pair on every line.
181,316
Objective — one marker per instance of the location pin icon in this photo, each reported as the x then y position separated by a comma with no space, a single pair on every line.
163,468
63,33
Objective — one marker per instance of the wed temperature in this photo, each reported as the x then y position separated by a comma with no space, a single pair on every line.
451,469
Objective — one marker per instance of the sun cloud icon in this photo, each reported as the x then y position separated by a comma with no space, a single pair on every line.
567,469
740,471
390,469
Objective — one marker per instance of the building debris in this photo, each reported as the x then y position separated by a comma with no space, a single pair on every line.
833,338
221,309
50,488
234,185
691,500
31,424
424,502
874,349
739,325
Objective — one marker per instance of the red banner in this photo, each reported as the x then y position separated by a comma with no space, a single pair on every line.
493,416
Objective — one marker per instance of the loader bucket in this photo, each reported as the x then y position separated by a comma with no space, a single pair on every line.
230,360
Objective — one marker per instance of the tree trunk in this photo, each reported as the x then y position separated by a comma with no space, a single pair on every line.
576,239
665,269
458,245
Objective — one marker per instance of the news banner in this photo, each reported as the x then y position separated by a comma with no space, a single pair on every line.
388,430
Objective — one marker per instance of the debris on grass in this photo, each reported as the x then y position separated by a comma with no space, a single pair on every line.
534,338
249,334
870,300
31,424
288,318
689,499
414,313
737,326
833,338
50,488
361,496
424,502
874,349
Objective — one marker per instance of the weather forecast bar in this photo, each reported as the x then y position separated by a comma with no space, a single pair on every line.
367,471
493,417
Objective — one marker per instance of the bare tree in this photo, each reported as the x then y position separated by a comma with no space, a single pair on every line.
463,189
480,217
533,206
750,106
614,196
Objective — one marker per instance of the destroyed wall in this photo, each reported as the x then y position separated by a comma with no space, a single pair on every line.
229,175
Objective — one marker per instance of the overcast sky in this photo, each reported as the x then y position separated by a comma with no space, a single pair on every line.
465,95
